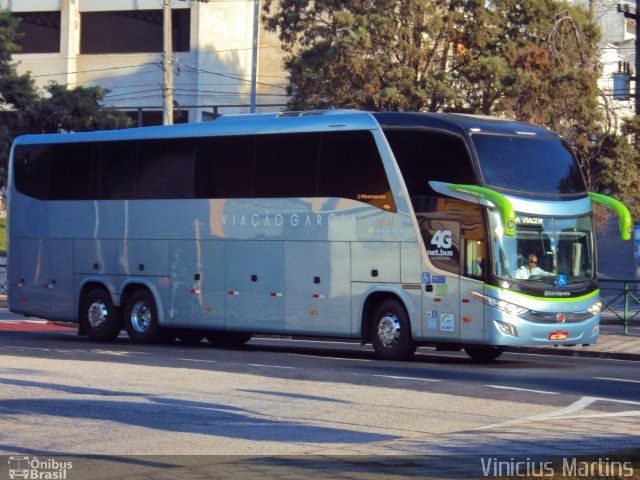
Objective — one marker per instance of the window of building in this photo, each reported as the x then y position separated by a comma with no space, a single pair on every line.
39,32
134,31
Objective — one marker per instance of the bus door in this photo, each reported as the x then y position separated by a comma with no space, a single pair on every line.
441,281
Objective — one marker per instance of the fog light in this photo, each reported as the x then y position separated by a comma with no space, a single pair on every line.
506,328
595,330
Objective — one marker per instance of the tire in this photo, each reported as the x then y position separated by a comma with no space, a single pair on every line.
141,317
391,331
190,337
99,319
484,354
228,339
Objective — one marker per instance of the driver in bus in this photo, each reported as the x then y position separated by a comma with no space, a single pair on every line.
531,268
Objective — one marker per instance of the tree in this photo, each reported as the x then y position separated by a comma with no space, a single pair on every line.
24,110
619,165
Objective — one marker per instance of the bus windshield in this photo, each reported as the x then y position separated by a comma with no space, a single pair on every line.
528,164
544,250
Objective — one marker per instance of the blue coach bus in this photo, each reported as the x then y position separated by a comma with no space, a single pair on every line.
399,229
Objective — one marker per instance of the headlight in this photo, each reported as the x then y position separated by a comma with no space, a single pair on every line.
595,308
510,308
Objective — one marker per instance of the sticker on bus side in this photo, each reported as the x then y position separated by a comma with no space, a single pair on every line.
447,322
426,278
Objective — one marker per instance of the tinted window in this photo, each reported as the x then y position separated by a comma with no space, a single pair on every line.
32,166
118,170
131,31
74,174
166,169
224,167
528,164
425,156
38,32
286,165
351,167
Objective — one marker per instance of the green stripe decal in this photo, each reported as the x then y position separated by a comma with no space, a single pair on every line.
547,299
624,216
507,213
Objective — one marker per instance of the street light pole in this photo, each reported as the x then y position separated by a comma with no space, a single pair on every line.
254,55
167,65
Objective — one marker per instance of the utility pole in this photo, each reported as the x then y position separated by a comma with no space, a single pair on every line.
636,76
167,65
254,55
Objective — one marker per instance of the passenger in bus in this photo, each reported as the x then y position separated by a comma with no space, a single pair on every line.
531,268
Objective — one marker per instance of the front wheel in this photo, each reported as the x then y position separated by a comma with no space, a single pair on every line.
484,354
141,317
99,319
391,331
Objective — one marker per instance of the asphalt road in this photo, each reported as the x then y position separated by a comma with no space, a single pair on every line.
61,394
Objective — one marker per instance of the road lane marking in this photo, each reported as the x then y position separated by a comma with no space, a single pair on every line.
502,387
27,348
198,360
332,358
271,366
617,379
395,377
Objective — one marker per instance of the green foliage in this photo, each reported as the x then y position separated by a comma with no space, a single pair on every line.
23,110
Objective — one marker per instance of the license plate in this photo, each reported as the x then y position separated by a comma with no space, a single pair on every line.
558,335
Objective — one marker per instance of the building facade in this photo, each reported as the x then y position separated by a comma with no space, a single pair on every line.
118,45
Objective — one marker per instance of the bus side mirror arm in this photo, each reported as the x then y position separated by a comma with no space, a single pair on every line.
502,203
624,216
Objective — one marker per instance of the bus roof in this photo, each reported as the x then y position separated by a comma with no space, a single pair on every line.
262,123
461,123
308,121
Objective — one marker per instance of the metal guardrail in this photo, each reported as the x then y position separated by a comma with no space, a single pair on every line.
622,298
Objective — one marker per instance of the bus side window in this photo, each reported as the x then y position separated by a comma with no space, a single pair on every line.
32,165
224,167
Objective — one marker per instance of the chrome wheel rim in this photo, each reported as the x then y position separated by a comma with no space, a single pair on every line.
97,315
389,330
141,317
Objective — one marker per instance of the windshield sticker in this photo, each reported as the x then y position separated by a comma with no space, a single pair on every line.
528,220
442,290
562,280
447,322
426,278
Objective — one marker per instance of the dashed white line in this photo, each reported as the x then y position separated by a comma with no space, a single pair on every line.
198,360
502,387
617,379
395,377
271,366
331,358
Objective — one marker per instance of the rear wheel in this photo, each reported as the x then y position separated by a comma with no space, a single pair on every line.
484,354
391,331
228,339
100,320
141,317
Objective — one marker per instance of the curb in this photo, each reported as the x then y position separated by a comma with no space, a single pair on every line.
583,353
